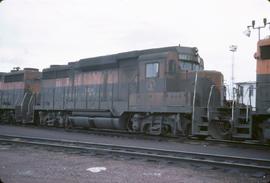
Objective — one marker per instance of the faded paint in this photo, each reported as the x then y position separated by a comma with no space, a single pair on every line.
214,76
263,66
124,87
95,77
62,82
13,86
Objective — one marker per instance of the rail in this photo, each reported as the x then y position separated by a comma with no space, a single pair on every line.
151,153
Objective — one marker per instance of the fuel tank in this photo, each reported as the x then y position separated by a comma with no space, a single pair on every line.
97,122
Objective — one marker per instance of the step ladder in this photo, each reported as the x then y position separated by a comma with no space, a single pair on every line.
242,124
24,111
220,123
200,122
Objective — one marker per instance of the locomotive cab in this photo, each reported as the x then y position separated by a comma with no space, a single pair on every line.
166,90
159,85
262,117
263,76
18,94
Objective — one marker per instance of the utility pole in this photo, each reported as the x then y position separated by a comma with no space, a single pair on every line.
233,49
248,31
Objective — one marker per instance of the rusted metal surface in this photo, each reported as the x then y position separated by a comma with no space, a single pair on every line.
13,86
263,67
18,90
263,76
263,61
150,87
133,82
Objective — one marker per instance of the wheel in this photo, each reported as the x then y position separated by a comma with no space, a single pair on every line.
69,125
220,129
146,129
264,132
167,130
188,130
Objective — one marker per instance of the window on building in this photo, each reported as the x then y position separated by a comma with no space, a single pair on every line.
152,70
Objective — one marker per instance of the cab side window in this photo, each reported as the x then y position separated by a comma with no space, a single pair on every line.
265,52
172,66
152,70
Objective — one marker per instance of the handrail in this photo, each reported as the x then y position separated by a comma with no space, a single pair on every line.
193,105
233,101
23,101
249,98
247,113
208,102
30,103
248,103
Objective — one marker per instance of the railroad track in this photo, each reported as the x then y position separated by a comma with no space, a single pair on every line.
217,160
182,139
107,132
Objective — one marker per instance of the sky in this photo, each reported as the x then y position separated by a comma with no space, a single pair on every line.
39,33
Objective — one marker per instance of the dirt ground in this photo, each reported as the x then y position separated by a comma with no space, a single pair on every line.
35,164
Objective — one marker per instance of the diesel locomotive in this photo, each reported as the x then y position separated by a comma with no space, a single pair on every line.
149,91
155,91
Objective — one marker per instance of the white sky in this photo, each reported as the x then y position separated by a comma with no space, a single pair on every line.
38,33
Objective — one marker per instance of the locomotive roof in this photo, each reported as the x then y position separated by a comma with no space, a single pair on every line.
137,53
57,68
17,75
15,72
111,60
